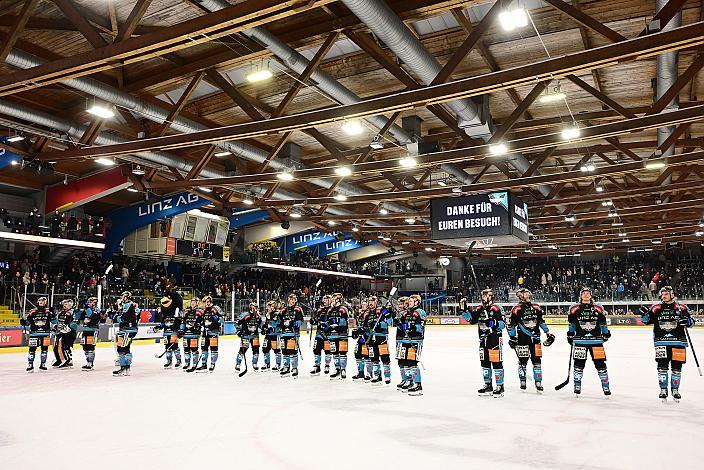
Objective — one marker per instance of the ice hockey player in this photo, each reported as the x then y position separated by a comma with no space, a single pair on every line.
361,349
378,322
39,320
89,318
127,320
338,333
291,318
271,329
248,327
212,324
670,320
65,336
321,344
524,327
411,330
587,332
191,327
490,320
169,320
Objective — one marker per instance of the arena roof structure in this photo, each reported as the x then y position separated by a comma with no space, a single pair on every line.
354,114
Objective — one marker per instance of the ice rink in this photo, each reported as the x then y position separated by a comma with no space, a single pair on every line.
168,419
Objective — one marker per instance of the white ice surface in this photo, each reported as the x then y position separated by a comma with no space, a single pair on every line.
167,419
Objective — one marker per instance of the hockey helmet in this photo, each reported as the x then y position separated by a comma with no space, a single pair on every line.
253,307
521,294
92,300
336,299
487,296
67,303
126,294
195,299
42,301
667,289
326,299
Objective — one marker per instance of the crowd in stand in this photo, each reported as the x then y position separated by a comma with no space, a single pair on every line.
612,279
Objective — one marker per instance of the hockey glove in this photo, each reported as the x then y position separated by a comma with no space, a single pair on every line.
606,336
644,310
570,337
513,341
685,321
549,340
355,333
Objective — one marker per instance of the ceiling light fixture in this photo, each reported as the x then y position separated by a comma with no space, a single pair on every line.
138,170
331,223
224,153
607,203
105,161
410,220
259,72
295,215
655,165
205,189
617,224
343,171
340,197
355,229
15,138
132,190
248,201
512,19
285,176
376,143
442,183
383,211
613,213
352,127
408,162
498,149
571,132
599,189
570,218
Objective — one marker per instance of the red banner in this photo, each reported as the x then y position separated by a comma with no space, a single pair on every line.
85,190
10,338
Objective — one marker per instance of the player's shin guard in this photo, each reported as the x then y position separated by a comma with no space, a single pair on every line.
577,377
90,357
318,360
30,358
486,374
42,357
604,377
675,380
123,360
278,360
238,361
662,378
360,367
205,356
328,358
376,370
187,361
368,367
416,375
538,373
522,371
387,372
214,358
499,377
255,359
128,359
267,360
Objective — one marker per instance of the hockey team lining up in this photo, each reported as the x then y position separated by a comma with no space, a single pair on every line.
200,324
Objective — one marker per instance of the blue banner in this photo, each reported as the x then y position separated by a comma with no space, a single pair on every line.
246,217
290,243
128,219
338,246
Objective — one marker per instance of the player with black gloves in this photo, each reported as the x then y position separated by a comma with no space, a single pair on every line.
89,318
39,320
169,321
291,319
361,348
670,319
489,317
66,329
322,343
378,322
127,320
271,329
410,335
191,327
587,333
212,323
338,332
524,327
248,330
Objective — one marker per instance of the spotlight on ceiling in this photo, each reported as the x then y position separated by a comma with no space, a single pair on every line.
352,127
331,223
343,171
355,229
138,170
248,200
105,161
285,176
259,73
655,165
376,143
101,110
295,214
408,162
410,220
205,189
512,19
340,197
498,149
383,211
571,132
224,153
15,138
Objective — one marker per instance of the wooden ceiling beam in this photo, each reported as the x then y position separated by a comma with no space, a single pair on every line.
17,28
582,18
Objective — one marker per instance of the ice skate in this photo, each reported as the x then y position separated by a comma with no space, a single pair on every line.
327,369
607,391
404,384
294,372
315,371
122,371
57,363
42,368
178,364
663,395
358,376
486,391
523,384
335,375
212,368
343,375
415,390
376,380
539,387
676,395
202,368
255,366
30,368
66,365
284,372
499,392
265,367
168,364
577,391
87,368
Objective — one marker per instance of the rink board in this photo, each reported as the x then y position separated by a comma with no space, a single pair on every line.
176,420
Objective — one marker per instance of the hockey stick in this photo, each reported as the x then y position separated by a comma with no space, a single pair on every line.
569,370
168,349
244,358
694,353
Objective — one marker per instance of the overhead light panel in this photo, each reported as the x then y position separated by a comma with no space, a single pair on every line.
442,183
613,213
512,19
295,215
410,220
343,171
386,238
617,224
607,203
352,127
248,201
355,229
285,176
655,165
570,218
427,248
15,138
331,223
340,197
376,143
132,190
259,73
205,189
408,162
383,211
699,233
571,132
105,161
138,170
599,189
100,110
224,153
498,149
656,241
